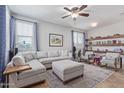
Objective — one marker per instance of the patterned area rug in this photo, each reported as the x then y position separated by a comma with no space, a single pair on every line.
93,75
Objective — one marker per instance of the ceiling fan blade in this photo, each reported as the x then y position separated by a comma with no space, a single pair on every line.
67,9
65,16
82,7
84,14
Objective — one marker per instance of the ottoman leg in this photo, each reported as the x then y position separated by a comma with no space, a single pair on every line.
64,82
82,75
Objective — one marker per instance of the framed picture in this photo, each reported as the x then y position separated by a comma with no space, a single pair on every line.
55,40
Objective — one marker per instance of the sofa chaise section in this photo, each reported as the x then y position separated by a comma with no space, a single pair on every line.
37,68
28,77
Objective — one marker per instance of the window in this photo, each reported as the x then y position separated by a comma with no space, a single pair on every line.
25,40
78,40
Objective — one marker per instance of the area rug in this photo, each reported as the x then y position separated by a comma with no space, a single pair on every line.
93,75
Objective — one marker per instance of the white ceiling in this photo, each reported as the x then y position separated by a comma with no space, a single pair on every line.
103,14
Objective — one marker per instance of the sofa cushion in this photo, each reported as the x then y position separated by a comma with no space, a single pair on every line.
18,60
28,57
37,68
41,54
53,54
50,60
63,53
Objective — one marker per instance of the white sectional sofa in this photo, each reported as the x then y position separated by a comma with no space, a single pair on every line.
39,61
46,58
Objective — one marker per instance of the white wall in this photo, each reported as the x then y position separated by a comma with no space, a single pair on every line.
44,28
7,33
108,30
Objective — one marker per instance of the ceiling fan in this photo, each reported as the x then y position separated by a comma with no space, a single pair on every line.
75,12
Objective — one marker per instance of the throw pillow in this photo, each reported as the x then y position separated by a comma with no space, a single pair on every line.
28,57
18,60
53,54
64,53
42,54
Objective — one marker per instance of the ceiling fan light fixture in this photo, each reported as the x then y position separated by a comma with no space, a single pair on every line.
94,24
74,15
75,11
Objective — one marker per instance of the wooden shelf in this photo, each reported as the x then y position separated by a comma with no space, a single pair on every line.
109,45
110,37
122,53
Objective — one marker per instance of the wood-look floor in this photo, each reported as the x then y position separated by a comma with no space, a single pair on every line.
40,85
116,80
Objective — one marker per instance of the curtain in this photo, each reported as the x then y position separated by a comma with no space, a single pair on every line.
12,38
12,32
2,40
73,47
78,39
85,46
36,36
72,39
78,42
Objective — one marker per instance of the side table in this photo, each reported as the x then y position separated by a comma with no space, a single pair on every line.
10,70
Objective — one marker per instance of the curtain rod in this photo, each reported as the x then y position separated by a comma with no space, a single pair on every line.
24,20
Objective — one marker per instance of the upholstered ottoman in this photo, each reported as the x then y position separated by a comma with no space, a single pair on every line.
67,70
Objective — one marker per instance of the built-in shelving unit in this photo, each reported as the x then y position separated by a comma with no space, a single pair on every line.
116,41
108,37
